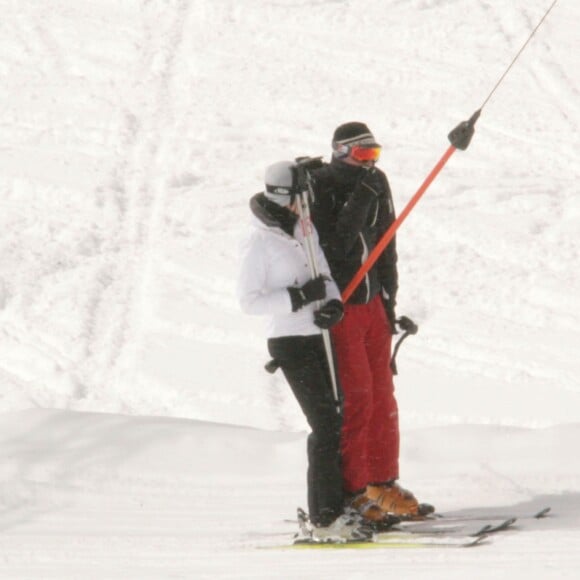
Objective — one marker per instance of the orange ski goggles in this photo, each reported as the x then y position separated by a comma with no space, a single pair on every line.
362,154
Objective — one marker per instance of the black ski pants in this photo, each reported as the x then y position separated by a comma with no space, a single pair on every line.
304,364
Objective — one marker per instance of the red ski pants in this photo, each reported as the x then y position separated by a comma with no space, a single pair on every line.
370,432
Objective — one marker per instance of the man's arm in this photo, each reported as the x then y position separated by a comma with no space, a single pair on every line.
387,262
354,215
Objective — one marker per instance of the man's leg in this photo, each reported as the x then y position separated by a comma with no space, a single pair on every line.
356,380
384,420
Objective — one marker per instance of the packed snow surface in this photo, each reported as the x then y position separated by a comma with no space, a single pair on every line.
139,434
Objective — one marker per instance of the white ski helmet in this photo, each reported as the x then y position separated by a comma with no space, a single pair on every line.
280,181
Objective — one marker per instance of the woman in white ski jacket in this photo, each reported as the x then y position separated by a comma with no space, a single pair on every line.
275,281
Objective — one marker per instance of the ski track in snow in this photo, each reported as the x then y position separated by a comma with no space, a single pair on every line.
138,188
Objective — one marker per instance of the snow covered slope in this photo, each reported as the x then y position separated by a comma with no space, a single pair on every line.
133,134
105,496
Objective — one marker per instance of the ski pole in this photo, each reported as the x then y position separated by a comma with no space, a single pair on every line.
306,224
460,137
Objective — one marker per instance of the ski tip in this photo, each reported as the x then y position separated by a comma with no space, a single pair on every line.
426,509
492,528
477,540
482,531
543,513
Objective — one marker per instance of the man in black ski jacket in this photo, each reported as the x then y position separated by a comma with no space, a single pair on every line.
352,209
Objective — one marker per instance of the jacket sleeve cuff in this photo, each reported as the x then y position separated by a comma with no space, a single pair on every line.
297,298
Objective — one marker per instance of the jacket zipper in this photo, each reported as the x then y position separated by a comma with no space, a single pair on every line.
364,257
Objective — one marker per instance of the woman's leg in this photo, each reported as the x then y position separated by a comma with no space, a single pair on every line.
303,362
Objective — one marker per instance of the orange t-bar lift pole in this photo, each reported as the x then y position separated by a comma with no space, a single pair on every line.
460,138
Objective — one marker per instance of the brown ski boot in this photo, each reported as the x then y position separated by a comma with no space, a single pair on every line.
393,499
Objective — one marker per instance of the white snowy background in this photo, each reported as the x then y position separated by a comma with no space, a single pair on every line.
139,435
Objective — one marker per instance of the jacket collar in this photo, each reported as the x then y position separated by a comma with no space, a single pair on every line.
345,173
273,215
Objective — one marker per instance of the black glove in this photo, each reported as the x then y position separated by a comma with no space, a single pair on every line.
366,191
303,167
313,290
331,313
371,180
310,163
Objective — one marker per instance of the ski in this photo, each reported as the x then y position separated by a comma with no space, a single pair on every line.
444,530
474,516
478,514
392,538
471,524
484,515
395,541
471,528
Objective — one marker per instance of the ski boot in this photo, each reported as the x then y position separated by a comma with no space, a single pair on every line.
391,498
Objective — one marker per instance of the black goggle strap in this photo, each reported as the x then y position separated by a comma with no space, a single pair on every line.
279,189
